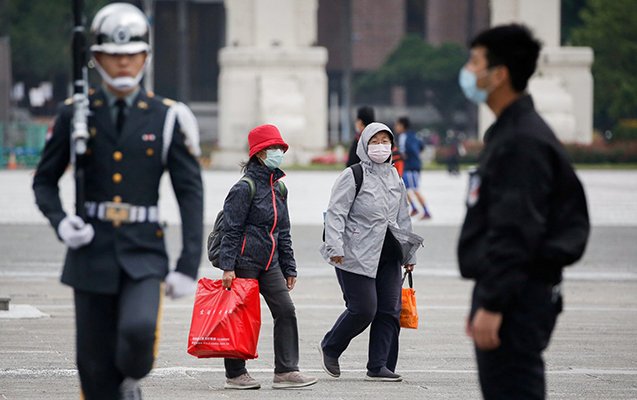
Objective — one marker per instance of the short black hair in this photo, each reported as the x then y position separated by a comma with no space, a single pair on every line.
513,46
405,122
365,114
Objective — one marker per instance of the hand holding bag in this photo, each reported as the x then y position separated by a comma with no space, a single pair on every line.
409,312
225,323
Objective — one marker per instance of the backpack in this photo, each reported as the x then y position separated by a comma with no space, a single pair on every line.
357,170
214,237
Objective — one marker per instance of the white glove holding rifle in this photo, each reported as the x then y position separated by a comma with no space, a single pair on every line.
74,232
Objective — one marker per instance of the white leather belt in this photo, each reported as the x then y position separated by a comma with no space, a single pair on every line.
121,212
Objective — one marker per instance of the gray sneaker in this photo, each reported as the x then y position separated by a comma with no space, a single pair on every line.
242,382
293,379
129,389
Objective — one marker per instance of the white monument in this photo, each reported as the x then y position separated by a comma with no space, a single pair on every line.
272,72
562,87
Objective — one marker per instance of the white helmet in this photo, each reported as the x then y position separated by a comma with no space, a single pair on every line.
120,28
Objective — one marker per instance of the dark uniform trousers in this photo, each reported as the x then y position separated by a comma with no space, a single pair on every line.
515,370
370,301
273,288
116,335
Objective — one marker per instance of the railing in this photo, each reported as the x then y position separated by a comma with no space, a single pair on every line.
21,144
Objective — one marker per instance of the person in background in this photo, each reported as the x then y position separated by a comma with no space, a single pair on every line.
364,117
526,219
411,146
116,259
368,237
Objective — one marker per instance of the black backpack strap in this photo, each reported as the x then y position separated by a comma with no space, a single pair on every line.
357,169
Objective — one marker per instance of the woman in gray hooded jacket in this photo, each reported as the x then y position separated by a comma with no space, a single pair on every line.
368,237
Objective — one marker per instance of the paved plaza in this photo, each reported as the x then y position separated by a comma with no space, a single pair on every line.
593,354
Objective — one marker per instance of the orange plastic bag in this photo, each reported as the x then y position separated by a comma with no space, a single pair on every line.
225,323
409,312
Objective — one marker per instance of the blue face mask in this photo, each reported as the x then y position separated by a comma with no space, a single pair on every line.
468,83
273,158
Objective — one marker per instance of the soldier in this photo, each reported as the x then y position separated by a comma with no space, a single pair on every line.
116,259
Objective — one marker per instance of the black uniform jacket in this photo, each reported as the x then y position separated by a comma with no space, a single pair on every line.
257,233
526,209
124,168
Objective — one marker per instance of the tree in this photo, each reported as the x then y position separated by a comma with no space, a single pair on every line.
609,28
429,74
40,34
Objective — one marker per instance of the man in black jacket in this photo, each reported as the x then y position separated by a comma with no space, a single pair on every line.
364,117
116,259
526,219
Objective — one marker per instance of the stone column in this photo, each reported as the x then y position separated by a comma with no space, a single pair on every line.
562,87
272,72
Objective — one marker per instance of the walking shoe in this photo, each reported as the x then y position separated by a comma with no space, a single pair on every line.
329,364
383,375
129,389
413,213
242,382
292,379
426,216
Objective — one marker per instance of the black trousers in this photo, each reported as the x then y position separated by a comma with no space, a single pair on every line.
116,336
370,301
515,370
273,288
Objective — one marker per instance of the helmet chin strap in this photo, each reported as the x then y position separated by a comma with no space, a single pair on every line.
123,83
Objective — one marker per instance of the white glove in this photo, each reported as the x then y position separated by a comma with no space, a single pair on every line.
75,232
179,285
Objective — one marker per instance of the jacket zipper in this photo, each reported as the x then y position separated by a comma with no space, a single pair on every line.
274,223
243,246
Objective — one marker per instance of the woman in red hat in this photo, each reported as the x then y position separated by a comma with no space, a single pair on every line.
257,245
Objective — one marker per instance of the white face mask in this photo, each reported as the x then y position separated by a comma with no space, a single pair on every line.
123,83
379,153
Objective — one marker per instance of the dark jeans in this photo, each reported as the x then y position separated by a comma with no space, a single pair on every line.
515,370
116,336
273,288
370,301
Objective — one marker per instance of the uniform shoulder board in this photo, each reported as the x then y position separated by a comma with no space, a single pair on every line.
68,101
168,102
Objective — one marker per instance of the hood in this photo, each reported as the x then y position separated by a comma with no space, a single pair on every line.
369,131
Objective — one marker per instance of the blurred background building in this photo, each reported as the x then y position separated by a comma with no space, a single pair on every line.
400,56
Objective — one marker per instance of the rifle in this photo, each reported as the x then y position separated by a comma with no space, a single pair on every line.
79,130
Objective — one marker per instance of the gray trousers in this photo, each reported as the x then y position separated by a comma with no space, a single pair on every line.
116,336
273,288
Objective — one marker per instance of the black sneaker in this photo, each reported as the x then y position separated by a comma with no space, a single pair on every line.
383,375
329,364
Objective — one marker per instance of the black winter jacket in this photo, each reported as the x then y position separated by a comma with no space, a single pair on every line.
526,209
257,233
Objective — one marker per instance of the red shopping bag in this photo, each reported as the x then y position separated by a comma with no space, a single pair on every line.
225,323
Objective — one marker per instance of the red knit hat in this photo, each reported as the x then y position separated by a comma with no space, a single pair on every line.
263,137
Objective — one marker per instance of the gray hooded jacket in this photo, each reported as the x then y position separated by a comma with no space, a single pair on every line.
355,226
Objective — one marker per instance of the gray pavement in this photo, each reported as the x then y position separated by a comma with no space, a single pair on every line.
593,354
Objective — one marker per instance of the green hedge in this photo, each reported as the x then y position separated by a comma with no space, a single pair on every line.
599,152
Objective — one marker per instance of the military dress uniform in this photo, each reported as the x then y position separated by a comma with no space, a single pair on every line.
117,276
